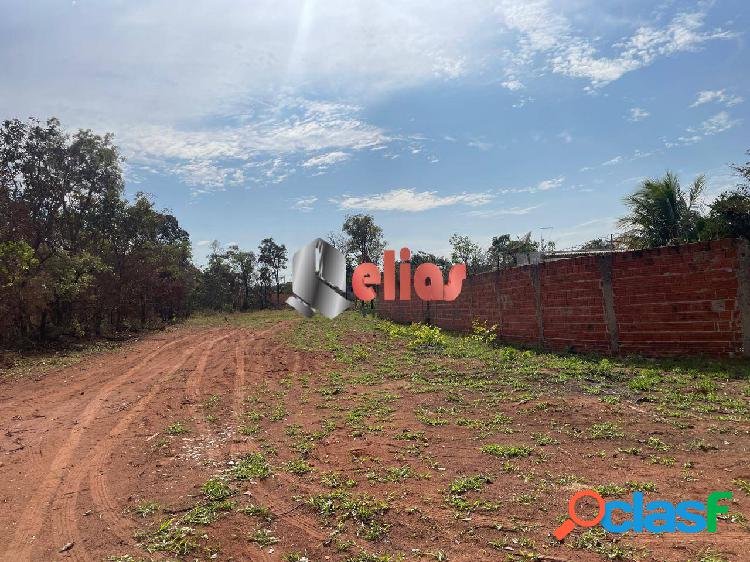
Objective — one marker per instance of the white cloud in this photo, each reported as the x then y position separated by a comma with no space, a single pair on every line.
326,160
717,124
512,85
545,31
611,162
716,96
204,173
550,184
480,144
279,91
409,200
304,204
565,136
265,149
544,185
637,114
490,213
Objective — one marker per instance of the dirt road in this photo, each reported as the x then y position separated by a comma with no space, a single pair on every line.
72,441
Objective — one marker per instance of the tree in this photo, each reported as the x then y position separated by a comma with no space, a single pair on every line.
218,281
274,257
364,238
465,250
661,213
743,170
503,249
243,264
84,259
420,257
597,244
729,215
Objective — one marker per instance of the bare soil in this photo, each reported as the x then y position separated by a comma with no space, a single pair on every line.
385,430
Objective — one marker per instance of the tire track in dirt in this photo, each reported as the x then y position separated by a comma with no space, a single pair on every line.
93,467
284,508
32,519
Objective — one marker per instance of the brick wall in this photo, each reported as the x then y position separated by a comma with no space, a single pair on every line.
676,300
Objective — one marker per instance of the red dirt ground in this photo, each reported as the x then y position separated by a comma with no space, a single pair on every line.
83,445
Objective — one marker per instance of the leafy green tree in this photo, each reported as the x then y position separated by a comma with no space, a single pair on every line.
597,244
661,213
420,257
273,256
465,250
364,238
83,257
503,249
730,212
243,263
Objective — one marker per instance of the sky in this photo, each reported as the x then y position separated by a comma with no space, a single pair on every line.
278,118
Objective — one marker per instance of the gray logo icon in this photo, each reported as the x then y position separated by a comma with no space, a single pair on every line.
319,280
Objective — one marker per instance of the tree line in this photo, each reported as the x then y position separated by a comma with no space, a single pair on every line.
77,258
236,279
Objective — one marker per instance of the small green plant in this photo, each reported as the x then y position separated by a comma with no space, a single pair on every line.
278,414
430,418
507,451
367,557
645,382
542,439
336,480
463,485
216,489
657,444
609,490
263,538
146,508
598,541
481,333
168,537
177,428
252,465
708,555
743,485
630,451
666,461
606,430
295,557
205,514
257,511
407,435
298,467
634,486
425,336
701,445
363,510
390,474
249,429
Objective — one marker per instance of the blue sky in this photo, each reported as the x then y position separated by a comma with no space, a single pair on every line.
275,118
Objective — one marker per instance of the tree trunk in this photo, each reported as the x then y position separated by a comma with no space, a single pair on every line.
43,326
